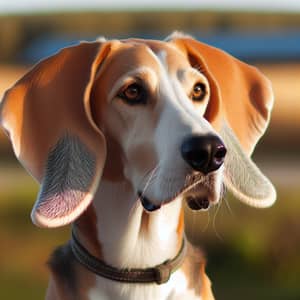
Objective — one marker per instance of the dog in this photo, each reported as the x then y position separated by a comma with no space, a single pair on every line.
120,134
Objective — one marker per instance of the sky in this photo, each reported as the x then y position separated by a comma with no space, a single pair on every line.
19,6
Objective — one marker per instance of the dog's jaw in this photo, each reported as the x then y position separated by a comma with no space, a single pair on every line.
199,191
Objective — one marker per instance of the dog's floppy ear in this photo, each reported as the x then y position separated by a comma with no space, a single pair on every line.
46,114
239,108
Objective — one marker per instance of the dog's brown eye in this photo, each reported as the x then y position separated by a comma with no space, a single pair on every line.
198,92
133,94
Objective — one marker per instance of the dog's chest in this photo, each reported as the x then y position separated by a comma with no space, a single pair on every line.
175,289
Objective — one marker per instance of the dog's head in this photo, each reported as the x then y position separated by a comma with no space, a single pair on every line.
173,118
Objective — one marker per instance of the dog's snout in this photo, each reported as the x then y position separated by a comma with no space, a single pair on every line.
203,153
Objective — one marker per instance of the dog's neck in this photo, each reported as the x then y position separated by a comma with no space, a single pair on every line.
117,230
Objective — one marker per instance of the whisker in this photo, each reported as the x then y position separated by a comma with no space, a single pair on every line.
145,175
214,221
207,223
226,200
149,180
228,206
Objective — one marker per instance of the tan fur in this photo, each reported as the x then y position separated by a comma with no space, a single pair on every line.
71,92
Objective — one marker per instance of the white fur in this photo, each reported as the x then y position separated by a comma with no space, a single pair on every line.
178,119
124,245
125,241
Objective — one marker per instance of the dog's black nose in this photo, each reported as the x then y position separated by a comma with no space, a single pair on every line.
203,153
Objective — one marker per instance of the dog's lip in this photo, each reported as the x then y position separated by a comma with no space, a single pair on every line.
194,202
198,202
147,204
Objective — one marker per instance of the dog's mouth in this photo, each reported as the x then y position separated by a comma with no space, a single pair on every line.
198,203
199,192
147,204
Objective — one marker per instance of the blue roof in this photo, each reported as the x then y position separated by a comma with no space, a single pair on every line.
250,46
258,46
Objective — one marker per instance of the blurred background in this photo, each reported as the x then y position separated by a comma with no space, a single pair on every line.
252,254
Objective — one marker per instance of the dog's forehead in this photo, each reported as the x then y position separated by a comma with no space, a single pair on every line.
134,54
168,54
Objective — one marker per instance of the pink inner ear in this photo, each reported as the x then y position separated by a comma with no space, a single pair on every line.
68,183
61,209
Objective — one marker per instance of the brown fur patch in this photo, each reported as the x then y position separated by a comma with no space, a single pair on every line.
64,281
194,269
70,280
180,229
113,169
86,229
144,223
206,291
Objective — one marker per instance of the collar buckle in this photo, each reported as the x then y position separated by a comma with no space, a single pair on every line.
163,272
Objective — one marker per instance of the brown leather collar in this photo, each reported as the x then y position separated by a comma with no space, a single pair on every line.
158,274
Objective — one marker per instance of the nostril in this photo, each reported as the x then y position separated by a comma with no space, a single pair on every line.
197,157
220,153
